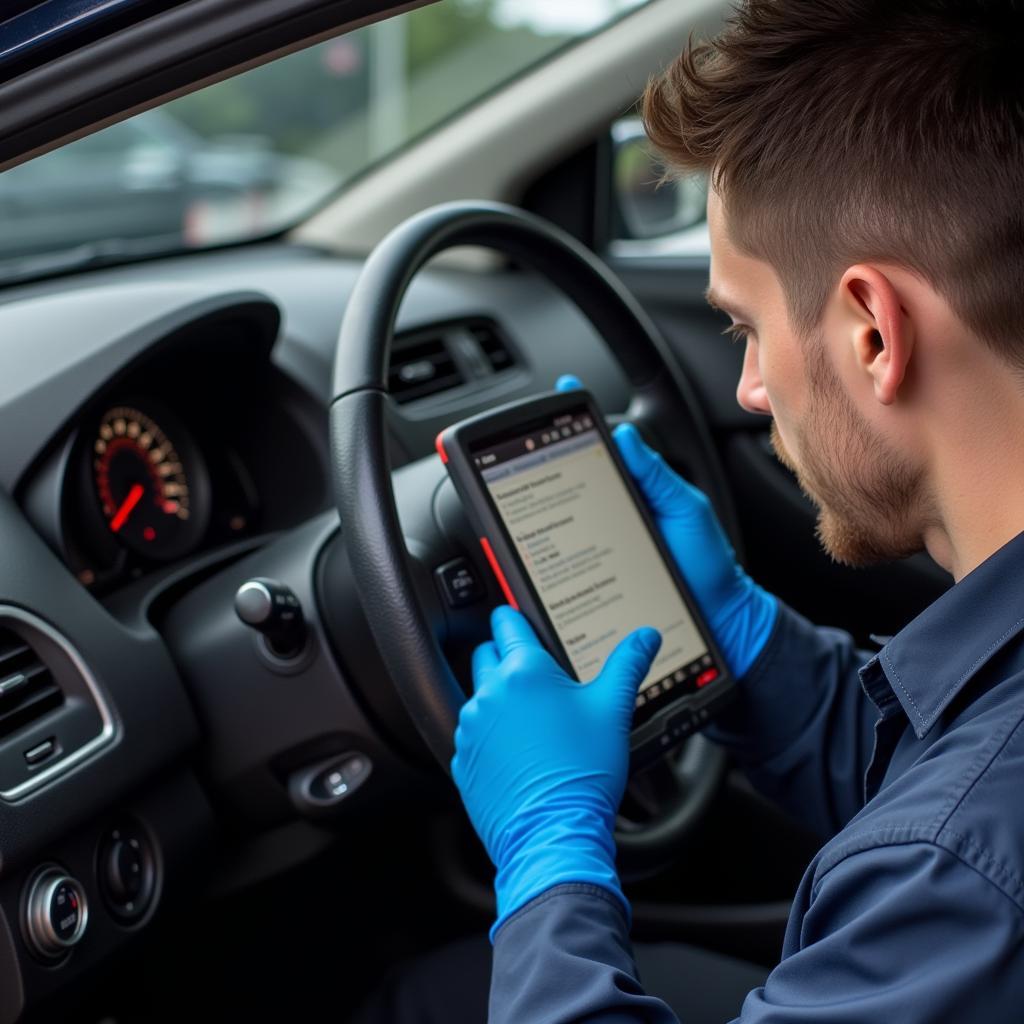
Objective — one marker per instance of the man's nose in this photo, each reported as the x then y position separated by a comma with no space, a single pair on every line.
750,391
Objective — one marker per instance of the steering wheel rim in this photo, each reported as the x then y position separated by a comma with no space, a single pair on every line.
370,528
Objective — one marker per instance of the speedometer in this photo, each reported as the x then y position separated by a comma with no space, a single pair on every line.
144,482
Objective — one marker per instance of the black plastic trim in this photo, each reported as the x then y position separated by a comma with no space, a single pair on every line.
173,52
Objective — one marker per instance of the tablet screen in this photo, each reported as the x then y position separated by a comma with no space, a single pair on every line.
589,553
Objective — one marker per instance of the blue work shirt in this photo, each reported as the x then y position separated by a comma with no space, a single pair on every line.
913,911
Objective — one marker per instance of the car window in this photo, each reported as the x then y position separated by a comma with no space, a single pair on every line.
254,154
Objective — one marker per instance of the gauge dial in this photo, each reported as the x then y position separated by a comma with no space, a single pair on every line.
143,485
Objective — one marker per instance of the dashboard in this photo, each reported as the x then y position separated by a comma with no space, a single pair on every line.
200,444
166,440
195,416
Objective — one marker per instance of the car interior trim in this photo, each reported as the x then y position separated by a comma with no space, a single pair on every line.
109,723
169,54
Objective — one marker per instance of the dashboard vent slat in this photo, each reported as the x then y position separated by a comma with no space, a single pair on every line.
433,359
14,654
422,366
27,687
493,345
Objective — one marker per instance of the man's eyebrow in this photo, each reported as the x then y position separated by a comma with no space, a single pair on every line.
711,298
723,305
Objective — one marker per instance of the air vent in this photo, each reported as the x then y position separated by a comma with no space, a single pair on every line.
422,365
492,344
53,713
27,687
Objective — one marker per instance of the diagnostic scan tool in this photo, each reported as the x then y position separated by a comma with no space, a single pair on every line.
574,548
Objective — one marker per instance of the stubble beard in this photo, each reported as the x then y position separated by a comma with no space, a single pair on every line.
870,499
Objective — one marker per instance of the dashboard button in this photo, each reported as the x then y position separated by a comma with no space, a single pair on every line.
127,870
124,870
338,780
321,787
459,583
56,912
273,609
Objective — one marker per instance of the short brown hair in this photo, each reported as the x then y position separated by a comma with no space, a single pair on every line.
839,131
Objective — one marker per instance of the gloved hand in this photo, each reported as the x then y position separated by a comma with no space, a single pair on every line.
741,615
541,760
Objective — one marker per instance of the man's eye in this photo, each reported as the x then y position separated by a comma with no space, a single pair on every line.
738,332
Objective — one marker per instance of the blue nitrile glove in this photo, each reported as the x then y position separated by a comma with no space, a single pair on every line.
741,615
541,760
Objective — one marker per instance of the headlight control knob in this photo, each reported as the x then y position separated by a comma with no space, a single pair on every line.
272,608
127,869
56,912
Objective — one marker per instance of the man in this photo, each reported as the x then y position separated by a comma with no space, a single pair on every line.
867,235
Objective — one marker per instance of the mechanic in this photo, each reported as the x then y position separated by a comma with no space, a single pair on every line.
867,236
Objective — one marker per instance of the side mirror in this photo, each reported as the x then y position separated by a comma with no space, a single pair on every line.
648,206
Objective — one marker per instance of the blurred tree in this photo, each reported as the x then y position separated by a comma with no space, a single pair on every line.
449,25
292,101
345,102
289,101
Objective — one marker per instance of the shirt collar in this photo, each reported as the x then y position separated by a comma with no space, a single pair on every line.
932,658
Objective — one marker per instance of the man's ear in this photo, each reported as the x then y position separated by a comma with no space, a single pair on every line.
881,334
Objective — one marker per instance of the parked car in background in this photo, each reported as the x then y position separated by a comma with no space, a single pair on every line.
153,181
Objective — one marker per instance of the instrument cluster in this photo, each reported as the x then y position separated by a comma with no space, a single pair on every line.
139,491
189,451
153,491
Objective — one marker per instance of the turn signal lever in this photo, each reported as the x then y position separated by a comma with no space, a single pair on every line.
271,608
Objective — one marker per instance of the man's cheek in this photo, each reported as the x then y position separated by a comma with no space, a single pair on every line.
782,452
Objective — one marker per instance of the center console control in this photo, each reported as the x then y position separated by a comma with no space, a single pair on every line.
272,609
319,788
126,866
55,913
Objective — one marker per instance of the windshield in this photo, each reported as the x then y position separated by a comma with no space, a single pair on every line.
254,154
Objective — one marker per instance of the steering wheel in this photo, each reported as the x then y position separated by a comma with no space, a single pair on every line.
663,407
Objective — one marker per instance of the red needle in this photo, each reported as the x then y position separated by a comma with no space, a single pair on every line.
122,514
